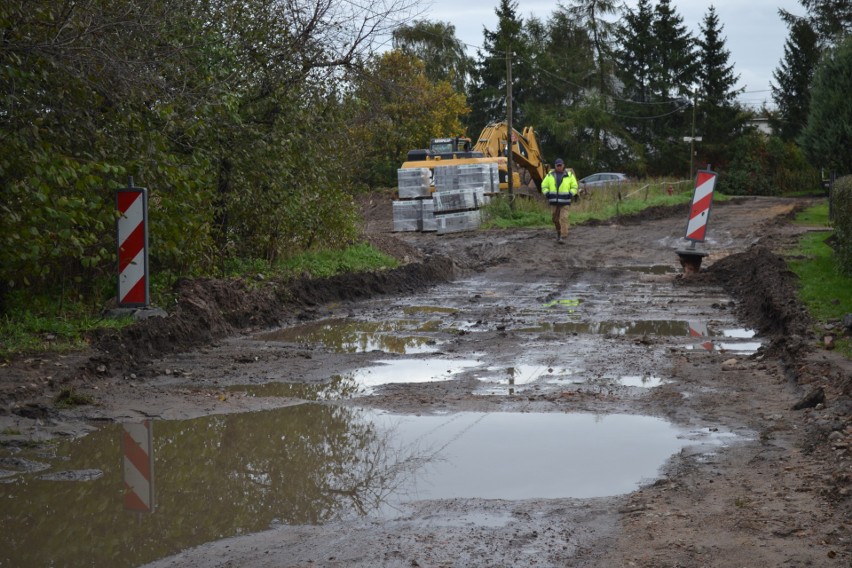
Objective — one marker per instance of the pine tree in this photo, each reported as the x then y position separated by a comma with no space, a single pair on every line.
831,20
488,95
675,68
635,57
560,57
791,90
635,54
716,94
673,77
589,15
827,138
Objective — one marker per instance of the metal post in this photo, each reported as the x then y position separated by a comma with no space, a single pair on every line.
692,138
509,144
132,230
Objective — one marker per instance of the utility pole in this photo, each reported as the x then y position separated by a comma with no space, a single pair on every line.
509,145
692,139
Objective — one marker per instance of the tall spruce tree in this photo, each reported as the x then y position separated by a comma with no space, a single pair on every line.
673,78
598,121
635,52
831,20
590,15
827,137
488,94
676,64
791,89
716,94
636,56
560,57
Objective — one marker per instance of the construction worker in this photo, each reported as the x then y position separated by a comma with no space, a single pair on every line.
560,188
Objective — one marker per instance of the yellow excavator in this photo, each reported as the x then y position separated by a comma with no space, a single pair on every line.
527,160
528,167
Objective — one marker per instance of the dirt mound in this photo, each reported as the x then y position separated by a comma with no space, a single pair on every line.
208,309
766,290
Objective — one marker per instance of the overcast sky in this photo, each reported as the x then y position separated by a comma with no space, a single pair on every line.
754,32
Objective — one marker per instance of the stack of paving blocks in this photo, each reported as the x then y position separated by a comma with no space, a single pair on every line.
460,192
414,188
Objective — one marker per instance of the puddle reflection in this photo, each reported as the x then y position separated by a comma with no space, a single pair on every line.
539,455
346,335
740,333
340,387
653,269
216,477
647,381
569,303
668,328
509,377
228,475
742,348
639,327
411,371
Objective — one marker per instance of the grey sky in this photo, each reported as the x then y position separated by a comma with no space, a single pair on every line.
754,32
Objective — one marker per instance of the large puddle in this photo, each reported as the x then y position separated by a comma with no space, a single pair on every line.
411,371
344,335
410,336
221,476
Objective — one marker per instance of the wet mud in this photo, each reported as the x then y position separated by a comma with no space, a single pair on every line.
497,401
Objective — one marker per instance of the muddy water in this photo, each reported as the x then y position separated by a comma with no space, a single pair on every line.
353,336
313,463
309,464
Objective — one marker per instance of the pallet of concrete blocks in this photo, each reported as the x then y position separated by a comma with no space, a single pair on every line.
458,222
427,216
475,175
446,178
494,186
413,182
454,200
407,215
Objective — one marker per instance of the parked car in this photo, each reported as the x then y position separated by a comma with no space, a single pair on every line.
601,180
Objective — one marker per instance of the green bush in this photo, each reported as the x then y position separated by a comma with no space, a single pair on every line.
841,213
766,165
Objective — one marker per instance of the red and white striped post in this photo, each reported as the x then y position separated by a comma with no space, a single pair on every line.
699,329
696,227
138,451
699,213
132,227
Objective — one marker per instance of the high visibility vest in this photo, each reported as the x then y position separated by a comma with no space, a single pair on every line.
563,194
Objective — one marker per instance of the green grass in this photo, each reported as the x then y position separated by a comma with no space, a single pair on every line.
34,325
322,264
599,204
28,332
69,398
825,291
814,216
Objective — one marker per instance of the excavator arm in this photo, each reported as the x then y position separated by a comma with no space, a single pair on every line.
526,154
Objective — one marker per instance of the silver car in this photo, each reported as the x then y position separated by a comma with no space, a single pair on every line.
602,179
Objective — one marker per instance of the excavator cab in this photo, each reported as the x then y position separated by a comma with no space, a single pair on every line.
445,149
454,147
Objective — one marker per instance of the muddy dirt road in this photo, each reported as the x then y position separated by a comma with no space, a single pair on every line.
521,404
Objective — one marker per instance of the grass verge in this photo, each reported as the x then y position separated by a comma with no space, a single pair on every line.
825,291
599,204
33,326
